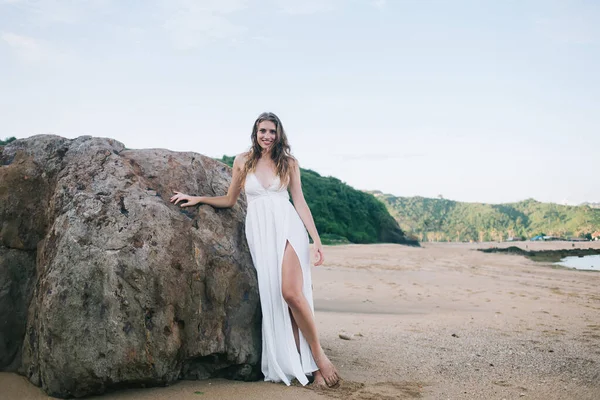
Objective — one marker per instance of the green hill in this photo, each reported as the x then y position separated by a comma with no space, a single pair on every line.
446,220
343,214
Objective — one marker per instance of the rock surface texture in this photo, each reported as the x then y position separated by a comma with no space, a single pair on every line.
105,284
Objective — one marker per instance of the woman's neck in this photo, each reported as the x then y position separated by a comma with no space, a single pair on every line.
266,154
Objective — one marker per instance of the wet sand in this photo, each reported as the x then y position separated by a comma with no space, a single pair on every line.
439,322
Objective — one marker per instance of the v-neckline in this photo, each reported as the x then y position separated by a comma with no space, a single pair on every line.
260,183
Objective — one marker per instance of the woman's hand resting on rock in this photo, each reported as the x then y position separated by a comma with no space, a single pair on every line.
182,197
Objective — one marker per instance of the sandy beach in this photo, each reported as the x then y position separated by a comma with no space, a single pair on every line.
439,322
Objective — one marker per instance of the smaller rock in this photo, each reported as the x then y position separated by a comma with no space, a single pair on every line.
455,335
345,336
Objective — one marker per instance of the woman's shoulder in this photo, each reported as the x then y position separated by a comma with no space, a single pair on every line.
240,159
292,161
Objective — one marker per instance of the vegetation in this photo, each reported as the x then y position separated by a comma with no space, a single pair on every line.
343,214
446,220
7,140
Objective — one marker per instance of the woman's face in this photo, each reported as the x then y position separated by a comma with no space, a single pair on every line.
266,134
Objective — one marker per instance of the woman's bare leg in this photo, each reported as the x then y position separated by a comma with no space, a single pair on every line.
295,330
291,287
319,381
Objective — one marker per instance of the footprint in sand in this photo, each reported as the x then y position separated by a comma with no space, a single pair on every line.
390,390
349,390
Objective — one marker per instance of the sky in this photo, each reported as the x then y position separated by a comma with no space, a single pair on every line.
482,100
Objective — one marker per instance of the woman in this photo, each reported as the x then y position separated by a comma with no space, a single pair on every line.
278,242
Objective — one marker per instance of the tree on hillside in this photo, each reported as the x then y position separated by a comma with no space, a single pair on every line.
587,236
7,140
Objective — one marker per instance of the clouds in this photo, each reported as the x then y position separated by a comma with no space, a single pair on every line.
26,22
190,24
569,22
45,13
29,28
380,4
185,24
305,7
27,48
575,29
31,50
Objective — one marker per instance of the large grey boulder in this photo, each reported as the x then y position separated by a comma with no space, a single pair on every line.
105,284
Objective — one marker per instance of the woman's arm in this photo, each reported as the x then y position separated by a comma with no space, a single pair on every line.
304,212
226,201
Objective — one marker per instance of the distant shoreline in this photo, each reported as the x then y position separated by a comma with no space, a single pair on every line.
544,255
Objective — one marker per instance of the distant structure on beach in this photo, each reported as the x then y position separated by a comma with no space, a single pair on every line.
544,238
591,205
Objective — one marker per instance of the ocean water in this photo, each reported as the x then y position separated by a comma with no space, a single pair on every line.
587,262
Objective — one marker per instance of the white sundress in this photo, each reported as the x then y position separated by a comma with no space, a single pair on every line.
271,221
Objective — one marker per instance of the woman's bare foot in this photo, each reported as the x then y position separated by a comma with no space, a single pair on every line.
319,381
327,370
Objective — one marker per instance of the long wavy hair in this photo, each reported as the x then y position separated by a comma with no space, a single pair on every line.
280,151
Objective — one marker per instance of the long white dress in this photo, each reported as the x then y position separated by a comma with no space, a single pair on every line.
271,221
